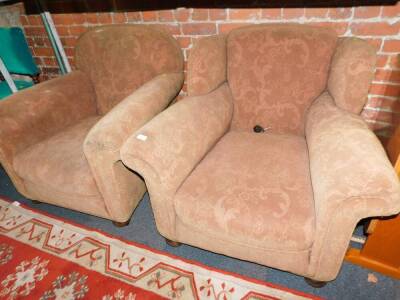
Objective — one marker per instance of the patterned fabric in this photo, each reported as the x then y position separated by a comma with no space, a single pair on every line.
37,113
237,194
120,58
44,166
188,131
207,65
52,259
352,179
137,67
351,73
275,72
122,189
265,201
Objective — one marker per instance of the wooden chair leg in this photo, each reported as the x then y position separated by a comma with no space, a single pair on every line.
36,202
172,243
120,224
315,283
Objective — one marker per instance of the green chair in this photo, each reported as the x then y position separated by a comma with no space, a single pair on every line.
17,58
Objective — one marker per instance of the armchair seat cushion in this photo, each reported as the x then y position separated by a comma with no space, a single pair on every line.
58,164
252,189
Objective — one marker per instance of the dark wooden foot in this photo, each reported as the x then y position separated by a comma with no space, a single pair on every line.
121,224
315,283
173,243
36,202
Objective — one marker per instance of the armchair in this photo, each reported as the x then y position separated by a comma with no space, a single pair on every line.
60,140
290,196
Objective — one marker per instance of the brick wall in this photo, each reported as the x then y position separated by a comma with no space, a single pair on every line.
379,25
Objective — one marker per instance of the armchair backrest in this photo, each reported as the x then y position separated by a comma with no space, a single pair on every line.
275,72
120,58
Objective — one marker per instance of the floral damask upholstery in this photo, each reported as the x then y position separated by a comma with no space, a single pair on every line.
289,197
60,140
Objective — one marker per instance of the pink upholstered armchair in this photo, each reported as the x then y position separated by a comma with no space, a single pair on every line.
290,196
60,140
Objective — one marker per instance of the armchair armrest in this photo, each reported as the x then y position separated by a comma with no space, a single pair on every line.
34,114
352,179
168,148
103,142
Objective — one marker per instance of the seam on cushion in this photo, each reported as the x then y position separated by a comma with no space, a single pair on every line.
198,163
60,192
59,131
325,234
241,243
312,188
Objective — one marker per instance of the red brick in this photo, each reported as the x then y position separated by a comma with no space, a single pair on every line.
51,72
369,114
392,76
381,116
388,117
182,14
384,103
391,10
104,18
78,19
43,51
200,14
316,12
133,16
77,30
30,41
379,126
24,20
292,13
72,63
173,29
63,30
385,89
376,43
394,62
38,61
382,61
49,61
271,13
199,28
35,20
217,14
149,16
340,13
69,51
119,18
244,14
39,42
166,16
379,28
63,19
227,27
391,46
184,42
35,31
366,12
91,18
69,41
339,27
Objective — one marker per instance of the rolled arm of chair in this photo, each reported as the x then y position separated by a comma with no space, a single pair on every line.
103,142
352,179
169,147
34,114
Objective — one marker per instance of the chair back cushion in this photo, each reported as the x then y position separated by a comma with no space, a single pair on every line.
120,58
275,71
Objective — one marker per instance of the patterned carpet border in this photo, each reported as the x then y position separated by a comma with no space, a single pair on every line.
152,270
